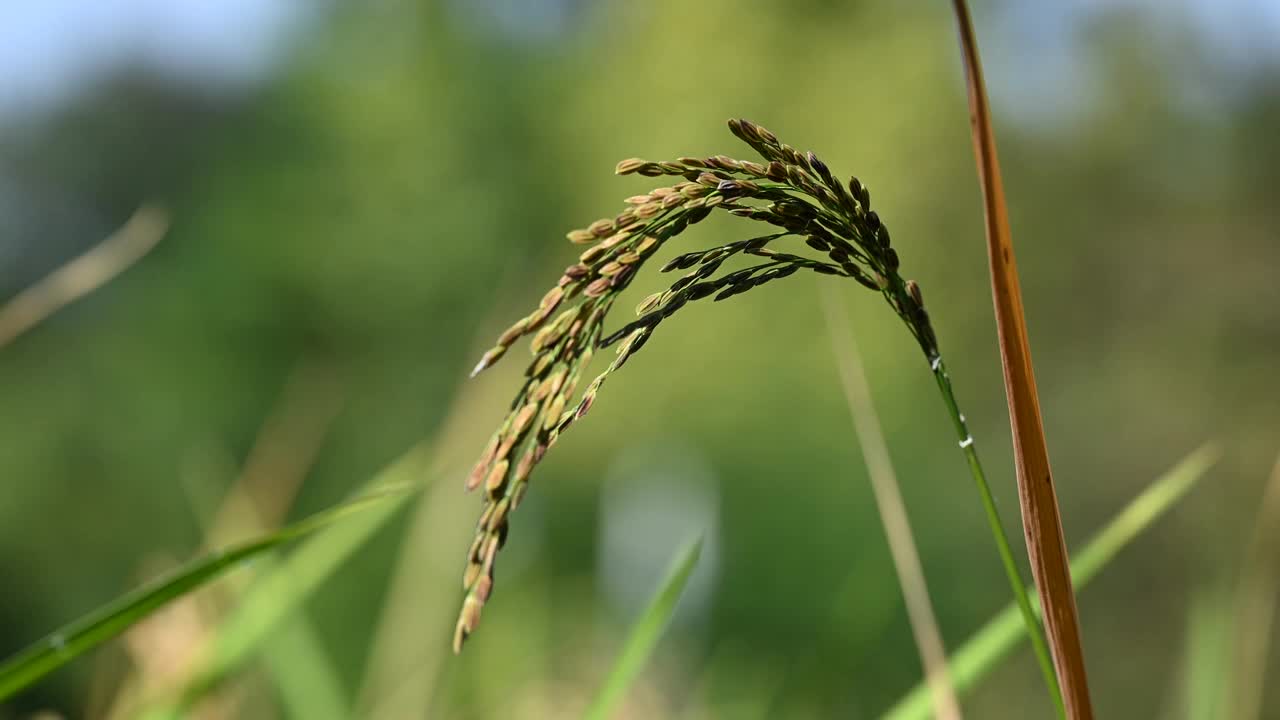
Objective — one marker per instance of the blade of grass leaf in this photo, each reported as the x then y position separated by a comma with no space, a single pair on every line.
1041,520
281,592
645,633
309,684
999,636
299,666
275,595
1204,661
892,510
74,639
1256,608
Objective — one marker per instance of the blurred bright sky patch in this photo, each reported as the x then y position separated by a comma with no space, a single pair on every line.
50,50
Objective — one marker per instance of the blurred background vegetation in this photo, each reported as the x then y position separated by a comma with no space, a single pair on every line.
364,194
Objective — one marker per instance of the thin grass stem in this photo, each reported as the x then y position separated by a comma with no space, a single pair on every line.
83,274
892,509
983,652
1016,583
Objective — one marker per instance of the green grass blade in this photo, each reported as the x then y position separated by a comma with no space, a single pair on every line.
1205,663
300,668
280,592
645,633
984,651
78,637
307,681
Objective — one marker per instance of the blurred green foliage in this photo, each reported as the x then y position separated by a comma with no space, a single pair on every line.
399,193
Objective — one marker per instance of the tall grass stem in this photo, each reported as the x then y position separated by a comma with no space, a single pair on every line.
891,508
1016,583
985,649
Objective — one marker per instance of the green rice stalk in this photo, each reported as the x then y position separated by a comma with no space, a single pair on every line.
794,193
645,633
985,649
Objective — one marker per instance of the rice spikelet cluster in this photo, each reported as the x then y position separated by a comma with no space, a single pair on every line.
795,194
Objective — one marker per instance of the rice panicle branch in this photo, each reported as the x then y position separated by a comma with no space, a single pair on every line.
795,193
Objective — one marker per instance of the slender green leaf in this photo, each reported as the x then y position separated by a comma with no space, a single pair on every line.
984,651
1253,613
78,637
299,666
1205,658
280,592
645,633
309,684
